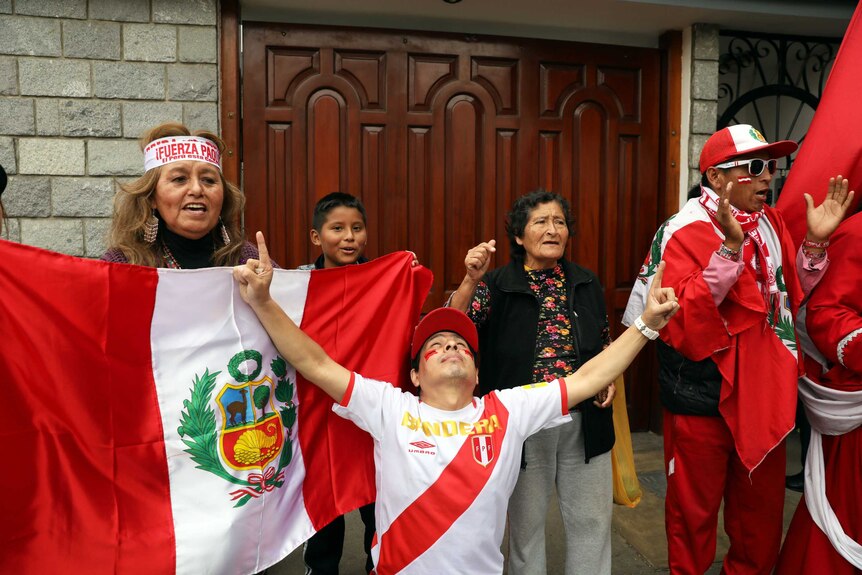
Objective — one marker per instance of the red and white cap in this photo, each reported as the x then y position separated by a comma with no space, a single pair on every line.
444,319
740,140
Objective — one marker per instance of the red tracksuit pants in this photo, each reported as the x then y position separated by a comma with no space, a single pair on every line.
703,468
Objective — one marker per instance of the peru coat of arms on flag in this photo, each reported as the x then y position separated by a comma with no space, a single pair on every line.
253,419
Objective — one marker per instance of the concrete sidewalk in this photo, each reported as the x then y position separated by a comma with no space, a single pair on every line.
639,546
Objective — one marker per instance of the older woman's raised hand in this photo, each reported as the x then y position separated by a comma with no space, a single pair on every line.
478,259
661,302
255,276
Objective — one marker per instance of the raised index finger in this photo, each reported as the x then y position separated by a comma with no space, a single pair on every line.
261,249
656,280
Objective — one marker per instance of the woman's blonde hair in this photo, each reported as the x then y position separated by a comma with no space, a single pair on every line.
132,209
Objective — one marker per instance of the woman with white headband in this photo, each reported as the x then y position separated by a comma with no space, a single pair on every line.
182,213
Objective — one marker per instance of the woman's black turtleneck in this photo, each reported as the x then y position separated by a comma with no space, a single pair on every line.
190,254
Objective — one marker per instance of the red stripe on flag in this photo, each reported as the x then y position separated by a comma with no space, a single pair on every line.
85,481
419,526
829,148
363,316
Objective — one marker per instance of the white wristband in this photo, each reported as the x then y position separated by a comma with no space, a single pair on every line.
648,332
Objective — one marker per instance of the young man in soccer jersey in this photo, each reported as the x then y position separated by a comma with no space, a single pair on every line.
446,464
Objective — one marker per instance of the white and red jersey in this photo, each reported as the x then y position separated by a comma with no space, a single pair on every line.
444,477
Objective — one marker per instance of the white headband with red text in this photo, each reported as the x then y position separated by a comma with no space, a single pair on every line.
175,148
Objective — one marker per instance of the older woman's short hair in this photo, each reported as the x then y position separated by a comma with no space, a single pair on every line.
516,219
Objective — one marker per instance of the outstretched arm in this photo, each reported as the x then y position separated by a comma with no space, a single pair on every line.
302,352
597,373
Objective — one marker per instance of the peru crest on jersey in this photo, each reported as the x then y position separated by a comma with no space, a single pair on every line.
483,449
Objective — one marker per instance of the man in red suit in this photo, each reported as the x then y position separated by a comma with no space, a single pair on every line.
826,531
728,362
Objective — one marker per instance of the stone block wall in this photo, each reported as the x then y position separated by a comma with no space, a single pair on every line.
704,93
80,82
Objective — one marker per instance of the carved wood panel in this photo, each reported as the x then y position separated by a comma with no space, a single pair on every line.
437,134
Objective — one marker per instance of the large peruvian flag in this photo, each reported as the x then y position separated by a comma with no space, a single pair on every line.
150,426
833,144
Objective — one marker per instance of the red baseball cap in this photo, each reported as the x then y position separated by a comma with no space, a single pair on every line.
740,140
445,319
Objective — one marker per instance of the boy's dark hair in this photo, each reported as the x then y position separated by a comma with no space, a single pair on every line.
516,219
335,200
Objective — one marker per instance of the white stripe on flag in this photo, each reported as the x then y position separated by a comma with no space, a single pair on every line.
229,516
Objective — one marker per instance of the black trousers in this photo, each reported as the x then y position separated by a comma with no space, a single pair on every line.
323,551
804,430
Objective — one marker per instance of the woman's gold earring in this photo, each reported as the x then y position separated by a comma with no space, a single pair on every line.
151,228
225,237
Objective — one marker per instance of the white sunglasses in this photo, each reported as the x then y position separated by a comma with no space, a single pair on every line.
755,166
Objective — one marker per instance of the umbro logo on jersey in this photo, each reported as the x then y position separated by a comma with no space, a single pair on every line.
422,444
422,448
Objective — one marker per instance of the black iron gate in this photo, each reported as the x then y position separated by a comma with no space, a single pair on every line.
773,82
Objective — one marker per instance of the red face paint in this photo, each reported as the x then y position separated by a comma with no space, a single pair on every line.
429,354
467,352
744,180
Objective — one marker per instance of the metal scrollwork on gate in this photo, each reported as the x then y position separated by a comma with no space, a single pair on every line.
773,82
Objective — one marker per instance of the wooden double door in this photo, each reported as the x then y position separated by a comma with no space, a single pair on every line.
437,134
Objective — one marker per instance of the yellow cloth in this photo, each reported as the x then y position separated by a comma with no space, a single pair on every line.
627,489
